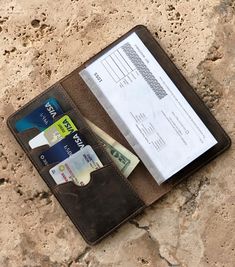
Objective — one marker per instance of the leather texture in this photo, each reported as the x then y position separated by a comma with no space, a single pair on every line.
105,202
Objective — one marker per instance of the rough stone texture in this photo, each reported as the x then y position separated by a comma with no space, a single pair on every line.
40,42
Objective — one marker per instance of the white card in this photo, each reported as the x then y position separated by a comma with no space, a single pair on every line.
77,167
149,110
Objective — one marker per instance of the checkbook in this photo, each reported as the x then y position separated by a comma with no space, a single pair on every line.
118,133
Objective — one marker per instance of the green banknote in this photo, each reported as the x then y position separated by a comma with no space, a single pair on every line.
124,159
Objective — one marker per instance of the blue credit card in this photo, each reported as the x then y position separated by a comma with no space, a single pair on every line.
40,118
71,144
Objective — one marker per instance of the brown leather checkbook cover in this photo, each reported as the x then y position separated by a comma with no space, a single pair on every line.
110,199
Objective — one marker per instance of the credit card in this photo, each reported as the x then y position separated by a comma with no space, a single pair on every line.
54,133
77,168
40,118
65,148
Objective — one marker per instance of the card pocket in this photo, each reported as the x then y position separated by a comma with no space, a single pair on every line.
25,136
56,91
35,153
99,207
76,118
44,172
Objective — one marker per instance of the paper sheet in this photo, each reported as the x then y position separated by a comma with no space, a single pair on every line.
149,110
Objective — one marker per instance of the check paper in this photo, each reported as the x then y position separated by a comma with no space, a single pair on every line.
148,108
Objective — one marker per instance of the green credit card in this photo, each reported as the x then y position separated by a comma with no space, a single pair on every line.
53,134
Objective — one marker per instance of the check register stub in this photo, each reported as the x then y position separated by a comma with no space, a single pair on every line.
148,108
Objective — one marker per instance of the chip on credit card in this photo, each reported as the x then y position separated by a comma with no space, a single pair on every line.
54,133
63,149
40,118
77,168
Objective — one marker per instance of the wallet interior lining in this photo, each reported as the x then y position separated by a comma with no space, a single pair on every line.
142,181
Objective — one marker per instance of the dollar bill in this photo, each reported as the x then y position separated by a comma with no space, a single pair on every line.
124,159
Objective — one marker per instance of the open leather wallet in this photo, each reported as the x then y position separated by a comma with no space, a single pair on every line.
133,92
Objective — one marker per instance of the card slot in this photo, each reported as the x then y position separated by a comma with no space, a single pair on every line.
56,91
46,169
35,153
44,172
25,136
92,175
98,148
76,118
102,205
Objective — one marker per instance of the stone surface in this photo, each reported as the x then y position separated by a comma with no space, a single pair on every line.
40,42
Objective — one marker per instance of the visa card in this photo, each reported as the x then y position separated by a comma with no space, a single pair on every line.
40,118
63,149
54,133
77,168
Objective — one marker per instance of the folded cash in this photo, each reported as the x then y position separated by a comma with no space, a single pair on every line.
125,160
